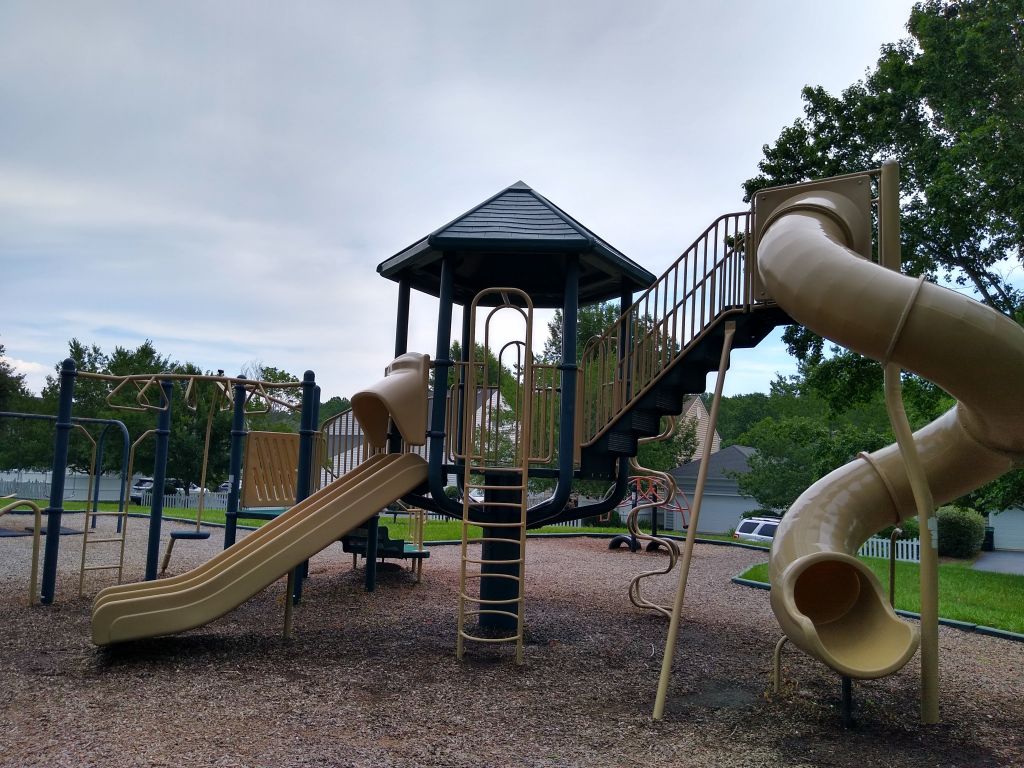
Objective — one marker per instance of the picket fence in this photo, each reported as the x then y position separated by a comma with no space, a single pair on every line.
908,550
191,501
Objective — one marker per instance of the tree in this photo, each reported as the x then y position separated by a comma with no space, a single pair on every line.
795,451
15,396
12,384
268,415
591,320
665,455
948,104
333,407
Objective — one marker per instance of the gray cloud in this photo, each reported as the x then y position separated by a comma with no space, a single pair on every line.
224,177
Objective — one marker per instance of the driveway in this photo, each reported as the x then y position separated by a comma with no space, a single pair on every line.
1000,562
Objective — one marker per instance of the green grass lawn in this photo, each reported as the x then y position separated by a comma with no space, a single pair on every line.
434,530
977,597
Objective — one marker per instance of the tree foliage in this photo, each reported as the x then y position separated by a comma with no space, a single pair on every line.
12,385
947,103
665,455
591,320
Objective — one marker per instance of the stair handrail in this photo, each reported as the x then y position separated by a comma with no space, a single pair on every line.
665,322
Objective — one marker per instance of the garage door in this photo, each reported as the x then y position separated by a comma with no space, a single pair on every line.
1008,529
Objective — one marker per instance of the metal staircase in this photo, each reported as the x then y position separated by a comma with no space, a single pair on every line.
663,347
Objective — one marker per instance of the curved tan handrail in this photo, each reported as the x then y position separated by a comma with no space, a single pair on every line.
827,602
36,531
632,522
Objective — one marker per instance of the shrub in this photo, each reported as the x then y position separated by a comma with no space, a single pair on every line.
452,492
910,527
961,531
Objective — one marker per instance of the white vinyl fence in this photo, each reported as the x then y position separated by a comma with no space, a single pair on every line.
191,501
908,551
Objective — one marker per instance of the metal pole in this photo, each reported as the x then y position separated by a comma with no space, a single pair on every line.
61,438
896,533
402,320
372,544
570,371
123,484
238,434
890,256
442,363
889,216
846,707
97,471
691,530
307,431
156,513
929,566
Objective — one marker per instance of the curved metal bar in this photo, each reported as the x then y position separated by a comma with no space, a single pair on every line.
671,547
36,534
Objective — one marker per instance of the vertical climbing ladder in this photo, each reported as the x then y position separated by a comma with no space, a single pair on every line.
496,451
92,537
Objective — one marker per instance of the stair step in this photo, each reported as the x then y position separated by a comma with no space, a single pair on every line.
644,423
616,443
597,464
664,400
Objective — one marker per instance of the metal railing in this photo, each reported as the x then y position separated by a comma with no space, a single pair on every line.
710,280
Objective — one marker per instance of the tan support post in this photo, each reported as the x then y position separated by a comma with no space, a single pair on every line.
691,531
929,546
889,216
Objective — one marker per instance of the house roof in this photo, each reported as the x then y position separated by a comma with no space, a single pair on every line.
731,459
517,239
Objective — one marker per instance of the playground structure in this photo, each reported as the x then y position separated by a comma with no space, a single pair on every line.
801,254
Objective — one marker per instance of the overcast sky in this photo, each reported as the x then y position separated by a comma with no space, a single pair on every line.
224,177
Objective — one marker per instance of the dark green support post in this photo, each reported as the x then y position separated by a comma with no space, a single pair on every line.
238,433
372,530
55,511
846,705
156,512
307,433
494,581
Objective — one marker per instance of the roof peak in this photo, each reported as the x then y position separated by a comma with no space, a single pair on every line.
521,185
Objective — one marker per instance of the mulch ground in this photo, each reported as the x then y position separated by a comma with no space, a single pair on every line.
371,679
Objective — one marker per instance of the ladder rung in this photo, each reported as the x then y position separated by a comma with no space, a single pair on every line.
109,514
100,567
476,639
493,525
481,601
517,561
496,539
104,541
491,612
506,576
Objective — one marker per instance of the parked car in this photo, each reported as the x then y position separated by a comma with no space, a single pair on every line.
224,487
140,487
757,529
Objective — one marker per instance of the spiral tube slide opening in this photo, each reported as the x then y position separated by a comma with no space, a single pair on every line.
827,602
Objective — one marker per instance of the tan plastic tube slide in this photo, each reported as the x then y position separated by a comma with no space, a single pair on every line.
146,609
827,602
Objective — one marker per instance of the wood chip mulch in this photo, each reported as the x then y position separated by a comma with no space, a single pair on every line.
371,679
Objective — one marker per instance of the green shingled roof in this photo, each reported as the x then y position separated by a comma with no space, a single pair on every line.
518,239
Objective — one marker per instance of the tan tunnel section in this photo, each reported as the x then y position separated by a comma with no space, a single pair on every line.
401,396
